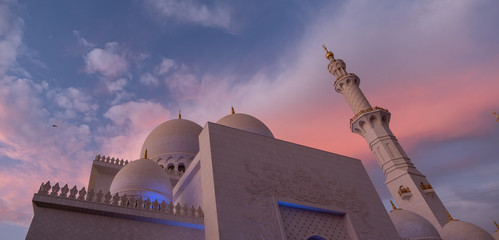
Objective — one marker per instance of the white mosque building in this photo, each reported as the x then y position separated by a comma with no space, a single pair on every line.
233,180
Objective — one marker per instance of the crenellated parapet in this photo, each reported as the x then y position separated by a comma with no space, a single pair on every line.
366,111
111,160
122,201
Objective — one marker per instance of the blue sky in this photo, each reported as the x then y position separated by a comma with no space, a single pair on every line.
108,72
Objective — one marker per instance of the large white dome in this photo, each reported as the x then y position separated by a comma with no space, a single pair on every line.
459,230
173,136
413,226
496,235
247,123
143,178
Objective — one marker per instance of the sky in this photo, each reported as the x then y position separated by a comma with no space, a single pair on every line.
107,72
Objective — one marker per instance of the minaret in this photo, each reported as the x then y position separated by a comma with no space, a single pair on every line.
408,186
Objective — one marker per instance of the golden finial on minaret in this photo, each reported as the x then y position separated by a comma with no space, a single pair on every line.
329,54
179,115
145,154
393,205
495,114
497,226
233,111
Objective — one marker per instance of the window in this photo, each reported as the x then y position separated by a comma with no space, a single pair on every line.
181,167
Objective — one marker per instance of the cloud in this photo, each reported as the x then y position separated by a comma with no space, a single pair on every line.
109,62
422,61
165,66
183,84
73,101
10,37
118,85
131,122
31,150
214,15
149,79
82,40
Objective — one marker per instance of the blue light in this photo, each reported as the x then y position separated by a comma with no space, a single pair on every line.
287,204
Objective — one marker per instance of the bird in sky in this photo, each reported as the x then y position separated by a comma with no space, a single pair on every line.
53,125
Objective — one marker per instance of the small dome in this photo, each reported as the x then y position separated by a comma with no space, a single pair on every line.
460,230
413,226
247,123
177,135
143,178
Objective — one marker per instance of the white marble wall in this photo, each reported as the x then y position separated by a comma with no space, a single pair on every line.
245,176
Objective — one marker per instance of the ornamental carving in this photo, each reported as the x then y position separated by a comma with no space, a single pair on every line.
305,187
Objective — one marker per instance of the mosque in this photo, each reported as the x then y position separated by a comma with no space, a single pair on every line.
233,180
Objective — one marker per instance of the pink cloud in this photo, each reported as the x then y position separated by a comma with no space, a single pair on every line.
32,151
110,61
409,66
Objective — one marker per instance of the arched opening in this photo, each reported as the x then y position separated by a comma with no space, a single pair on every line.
358,131
181,167
170,167
374,121
362,124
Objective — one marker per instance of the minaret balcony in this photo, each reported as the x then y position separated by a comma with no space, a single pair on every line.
368,110
428,191
404,192
426,188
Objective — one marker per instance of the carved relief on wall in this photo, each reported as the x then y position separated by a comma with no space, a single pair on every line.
303,186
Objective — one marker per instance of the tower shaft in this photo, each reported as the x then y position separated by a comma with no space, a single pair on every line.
408,186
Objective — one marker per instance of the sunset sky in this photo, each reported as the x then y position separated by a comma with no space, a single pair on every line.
107,72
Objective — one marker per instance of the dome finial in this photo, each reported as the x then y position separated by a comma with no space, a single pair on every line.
449,216
497,225
393,205
232,108
145,154
179,115
329,54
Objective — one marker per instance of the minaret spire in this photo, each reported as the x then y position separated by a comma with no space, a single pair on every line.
329,54
402,178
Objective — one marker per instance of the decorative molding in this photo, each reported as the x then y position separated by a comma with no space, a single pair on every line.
267,184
